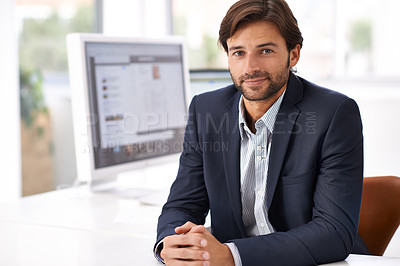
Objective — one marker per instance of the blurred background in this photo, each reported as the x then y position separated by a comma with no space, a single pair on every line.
349,46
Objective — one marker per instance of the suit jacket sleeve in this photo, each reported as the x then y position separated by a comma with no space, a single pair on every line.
188,200
331,233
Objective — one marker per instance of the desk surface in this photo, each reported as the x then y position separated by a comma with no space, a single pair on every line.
362,260
81,209
26,245
76,227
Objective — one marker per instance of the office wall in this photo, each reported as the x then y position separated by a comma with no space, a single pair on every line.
10,175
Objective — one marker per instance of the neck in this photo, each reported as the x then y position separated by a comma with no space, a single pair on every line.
256,109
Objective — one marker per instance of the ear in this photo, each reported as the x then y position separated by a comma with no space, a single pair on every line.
295,55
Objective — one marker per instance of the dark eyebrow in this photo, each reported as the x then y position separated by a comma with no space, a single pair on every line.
235,48
258,46
267,44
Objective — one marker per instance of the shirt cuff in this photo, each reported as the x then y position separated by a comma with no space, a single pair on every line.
157,251
235,253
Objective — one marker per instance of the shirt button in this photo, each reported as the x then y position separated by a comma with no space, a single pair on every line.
259,148
259,192
262,225
259,158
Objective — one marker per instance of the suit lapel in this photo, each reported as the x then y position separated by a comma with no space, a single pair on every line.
283,129
231,157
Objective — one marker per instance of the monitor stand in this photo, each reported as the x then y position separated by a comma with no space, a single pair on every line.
149,184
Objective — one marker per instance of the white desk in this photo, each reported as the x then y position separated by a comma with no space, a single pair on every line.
81,209
24,244
75,227
362,260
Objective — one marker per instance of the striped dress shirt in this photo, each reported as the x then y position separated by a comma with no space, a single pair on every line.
254,158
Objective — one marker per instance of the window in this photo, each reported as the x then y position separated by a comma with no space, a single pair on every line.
199,22
347,38
46,126
342,38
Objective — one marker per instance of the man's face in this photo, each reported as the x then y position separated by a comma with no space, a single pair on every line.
259,60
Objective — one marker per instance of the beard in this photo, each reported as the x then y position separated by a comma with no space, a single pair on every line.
260,93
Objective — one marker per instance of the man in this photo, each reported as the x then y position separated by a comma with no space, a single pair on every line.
283,185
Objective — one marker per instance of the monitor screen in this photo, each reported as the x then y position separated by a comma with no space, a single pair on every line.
129,100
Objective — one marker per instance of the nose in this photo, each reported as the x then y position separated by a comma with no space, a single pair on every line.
251,63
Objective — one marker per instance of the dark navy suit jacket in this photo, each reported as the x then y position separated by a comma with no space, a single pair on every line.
314,181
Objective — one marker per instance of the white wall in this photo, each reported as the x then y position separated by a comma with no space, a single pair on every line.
10,173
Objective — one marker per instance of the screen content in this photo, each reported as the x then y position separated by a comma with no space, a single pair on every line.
137,101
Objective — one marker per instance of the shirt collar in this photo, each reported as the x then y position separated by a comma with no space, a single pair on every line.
268,118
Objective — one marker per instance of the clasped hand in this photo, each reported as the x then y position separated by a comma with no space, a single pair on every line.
194,245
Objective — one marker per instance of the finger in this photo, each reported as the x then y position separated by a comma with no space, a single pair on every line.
187,254
199,229
183,229
187,263
186,240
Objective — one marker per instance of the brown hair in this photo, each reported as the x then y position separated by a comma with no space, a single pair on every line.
249,11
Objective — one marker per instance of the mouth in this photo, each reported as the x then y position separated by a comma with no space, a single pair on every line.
254,82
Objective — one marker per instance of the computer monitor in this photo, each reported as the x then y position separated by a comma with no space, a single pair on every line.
129,102
204,80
